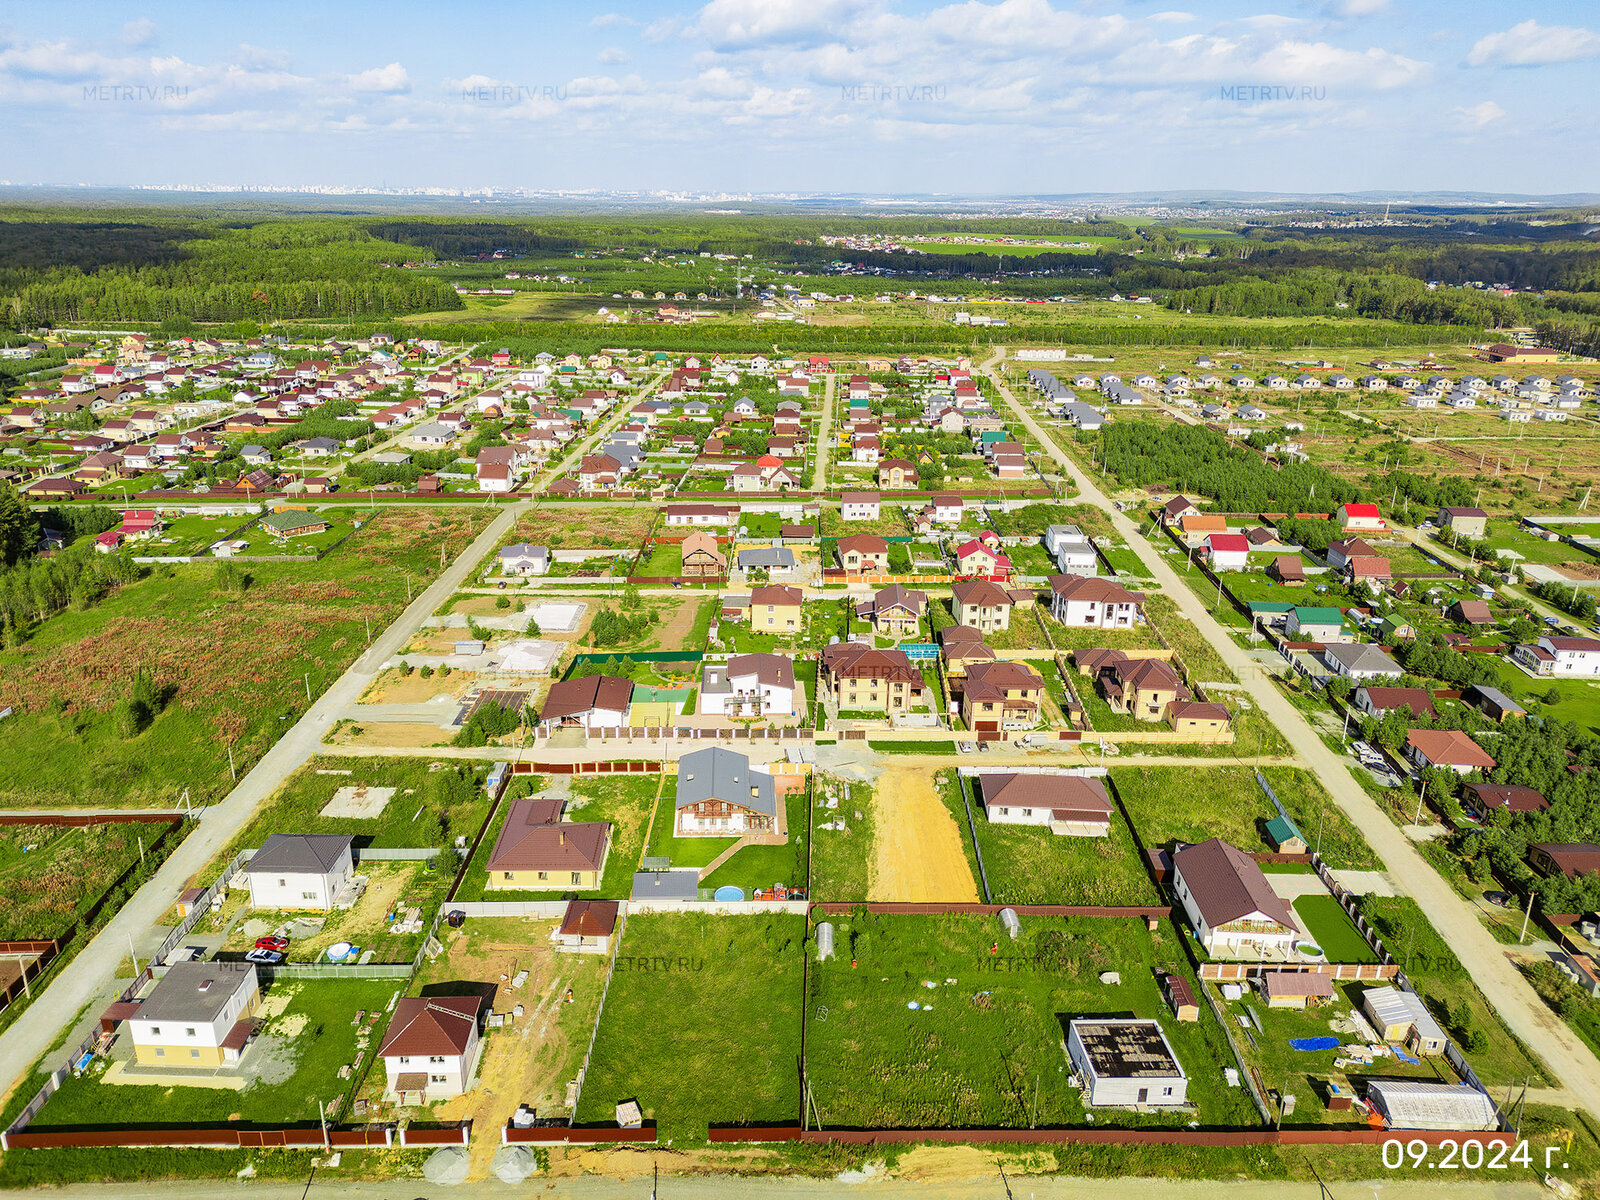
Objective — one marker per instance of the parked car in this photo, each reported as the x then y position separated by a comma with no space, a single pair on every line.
270,942
269,958
1499,899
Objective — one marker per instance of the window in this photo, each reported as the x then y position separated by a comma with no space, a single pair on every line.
437,1079
308,895
189,1032
160,1053
283,883
436,1058
194,1054
155,1031
577,877
505,874
544,874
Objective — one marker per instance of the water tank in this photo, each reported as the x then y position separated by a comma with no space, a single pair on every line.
1008,918
824,941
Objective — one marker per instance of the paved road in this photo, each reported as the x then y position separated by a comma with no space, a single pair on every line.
824,442
1572,1063
88,975
616,418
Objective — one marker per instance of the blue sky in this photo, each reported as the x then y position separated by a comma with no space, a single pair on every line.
873,96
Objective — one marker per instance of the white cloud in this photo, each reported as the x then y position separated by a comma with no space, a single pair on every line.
1531,44
1479,115
389,79
258,58
752,22
139,33
612,55
605,20
1358,8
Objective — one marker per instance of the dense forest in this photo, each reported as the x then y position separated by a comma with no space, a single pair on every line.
1198,461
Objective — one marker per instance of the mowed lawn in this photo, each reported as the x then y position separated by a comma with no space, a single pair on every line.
234,666
1326,922
701,1025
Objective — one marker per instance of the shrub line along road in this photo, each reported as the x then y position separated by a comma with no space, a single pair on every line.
1567,1058
88,975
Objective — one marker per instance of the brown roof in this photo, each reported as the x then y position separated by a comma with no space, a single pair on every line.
1352,548
1508,796
1069,797
1296,983
535,838
1416,701
1097,659
1289,566
1198,710
1369,566
863,543
1572,858
1147,674
1474,612
1177,505
981,592
589,918
990,681
1227,884
783,597
1449,746
773,670
428,1025
1205,523
573,696
896,596
1093,589
853,660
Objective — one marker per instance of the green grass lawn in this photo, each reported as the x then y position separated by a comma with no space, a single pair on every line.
310,1039
659,1044
1326,922
434,802
624,800
660,561
841,859
763,866
1030,865
984,1046
236,666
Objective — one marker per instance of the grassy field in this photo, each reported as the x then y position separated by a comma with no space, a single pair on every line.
50,875
296,1059
1169,804
984,1045
624,800
841,859
701,1025
434,802
235,667
1030,865
1324,919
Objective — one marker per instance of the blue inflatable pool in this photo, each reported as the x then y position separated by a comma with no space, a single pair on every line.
728,892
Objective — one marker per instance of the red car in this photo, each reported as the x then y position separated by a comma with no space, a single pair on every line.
279,944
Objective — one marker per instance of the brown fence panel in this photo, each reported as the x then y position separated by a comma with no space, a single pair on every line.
755,1133
448,1135
96,818
547,1134
906,908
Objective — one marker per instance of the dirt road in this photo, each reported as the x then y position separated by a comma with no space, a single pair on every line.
1571,1062
925,860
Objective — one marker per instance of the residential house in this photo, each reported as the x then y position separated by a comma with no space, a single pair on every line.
859,506
750,685
1228,551
592,702
1493,703
1125,1063
1359,518
1294,989
430,1049
775,609
587,927
1176,509
1464,522
537,850
1200,719
1077,600
1067,805
300,870
1560,656
523,559
702,558
982,559
1231,906
999,697
1142,688
982,605
1360,661
701,514
719,794
1572,859
1288,570
1311,624
894,611
1198,526
857,676
1340,553
1481,799
897,474
777,561
1470,612
1380,701
862,553
1446,748
197,1016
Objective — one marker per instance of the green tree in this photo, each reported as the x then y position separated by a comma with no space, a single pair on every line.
19,531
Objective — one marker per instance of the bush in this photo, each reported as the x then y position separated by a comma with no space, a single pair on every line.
405,669
426,672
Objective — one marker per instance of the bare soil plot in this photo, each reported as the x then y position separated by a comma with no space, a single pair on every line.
921,857
359,801
388,733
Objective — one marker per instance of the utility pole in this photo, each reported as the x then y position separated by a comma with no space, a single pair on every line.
1527,912
231,768
308,686
1420,795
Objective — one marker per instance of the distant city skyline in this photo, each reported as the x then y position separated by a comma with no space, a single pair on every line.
803,96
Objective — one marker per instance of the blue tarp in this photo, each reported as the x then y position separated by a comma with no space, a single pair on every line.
1313,1043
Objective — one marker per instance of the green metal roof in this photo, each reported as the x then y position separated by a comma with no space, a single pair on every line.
1281,829
1270,606
1318,616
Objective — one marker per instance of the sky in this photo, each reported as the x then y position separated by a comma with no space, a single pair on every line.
877,97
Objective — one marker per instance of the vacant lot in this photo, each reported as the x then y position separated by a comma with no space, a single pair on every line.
842,858
432,802
50,875
701,1025
232,667
944,1021
309,1034
589,525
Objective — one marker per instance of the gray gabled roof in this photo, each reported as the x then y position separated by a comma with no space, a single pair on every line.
766,556
300,853
719,774
1363,657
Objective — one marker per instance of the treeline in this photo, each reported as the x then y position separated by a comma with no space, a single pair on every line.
1193,459
324,270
